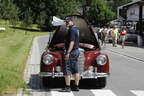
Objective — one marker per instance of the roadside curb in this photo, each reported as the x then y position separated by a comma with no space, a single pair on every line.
25,76
33,59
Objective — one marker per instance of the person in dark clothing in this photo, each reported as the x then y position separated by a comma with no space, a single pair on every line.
71,56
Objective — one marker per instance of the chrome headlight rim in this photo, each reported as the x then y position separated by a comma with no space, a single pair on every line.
101,60
47,59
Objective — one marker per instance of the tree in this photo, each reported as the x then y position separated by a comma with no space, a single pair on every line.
117,3
9,11
50,8
40,11
99,13
67,7
28,19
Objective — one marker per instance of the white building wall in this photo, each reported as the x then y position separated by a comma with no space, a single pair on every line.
133,13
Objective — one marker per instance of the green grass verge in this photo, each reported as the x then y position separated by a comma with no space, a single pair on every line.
14,50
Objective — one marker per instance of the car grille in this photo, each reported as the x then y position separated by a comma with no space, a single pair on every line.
81,62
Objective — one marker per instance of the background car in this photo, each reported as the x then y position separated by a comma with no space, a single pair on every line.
131,36
93,65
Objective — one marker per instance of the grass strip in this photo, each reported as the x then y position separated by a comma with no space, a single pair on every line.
14,50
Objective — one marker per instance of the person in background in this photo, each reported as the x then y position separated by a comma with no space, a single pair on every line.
123,35
114,35
108,33
99,35
109,30
103,35
95,33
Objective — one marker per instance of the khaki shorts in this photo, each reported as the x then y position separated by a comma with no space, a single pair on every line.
123,38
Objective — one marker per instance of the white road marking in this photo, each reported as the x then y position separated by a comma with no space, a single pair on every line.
138,92
37,94
57,93
102,93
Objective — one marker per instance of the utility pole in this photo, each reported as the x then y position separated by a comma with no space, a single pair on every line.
141,20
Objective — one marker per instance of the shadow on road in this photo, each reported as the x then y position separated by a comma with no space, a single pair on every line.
28,29
37,84
131,44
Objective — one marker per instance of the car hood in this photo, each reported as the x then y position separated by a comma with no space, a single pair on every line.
86,33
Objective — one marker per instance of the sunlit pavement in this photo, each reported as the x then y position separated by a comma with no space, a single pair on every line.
126,68
130,50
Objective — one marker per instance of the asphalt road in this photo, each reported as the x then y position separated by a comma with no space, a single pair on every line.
126,68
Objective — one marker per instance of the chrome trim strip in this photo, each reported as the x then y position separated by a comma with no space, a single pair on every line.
84,75
50,74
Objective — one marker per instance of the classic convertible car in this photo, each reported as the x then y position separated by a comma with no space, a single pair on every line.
92,63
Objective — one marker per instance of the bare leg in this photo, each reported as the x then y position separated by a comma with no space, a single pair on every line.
123,44
123,41
67,80
67,87
77,77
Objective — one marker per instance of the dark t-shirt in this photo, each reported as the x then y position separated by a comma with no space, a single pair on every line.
73,35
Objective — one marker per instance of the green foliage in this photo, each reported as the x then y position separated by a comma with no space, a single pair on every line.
68,7
56,8
121,2
9,11
41,11
14,50
99,13
28,19
117,3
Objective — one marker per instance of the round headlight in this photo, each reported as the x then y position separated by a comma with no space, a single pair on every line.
101,60
48,59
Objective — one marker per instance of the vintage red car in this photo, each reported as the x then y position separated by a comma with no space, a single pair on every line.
92,63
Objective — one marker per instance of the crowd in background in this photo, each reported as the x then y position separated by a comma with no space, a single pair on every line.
111,35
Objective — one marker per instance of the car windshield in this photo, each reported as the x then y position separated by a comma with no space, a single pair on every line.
86,34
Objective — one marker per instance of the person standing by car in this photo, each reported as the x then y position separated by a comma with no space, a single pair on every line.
71,56
123,36
114,35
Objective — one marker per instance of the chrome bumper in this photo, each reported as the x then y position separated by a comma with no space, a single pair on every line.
84,75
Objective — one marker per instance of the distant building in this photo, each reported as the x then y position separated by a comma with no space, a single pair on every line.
131,13
131,9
